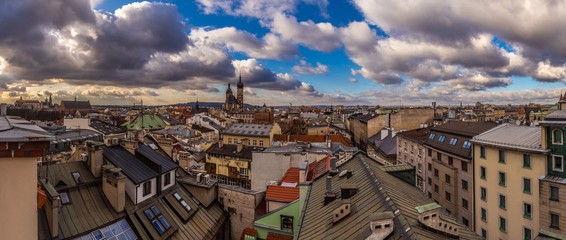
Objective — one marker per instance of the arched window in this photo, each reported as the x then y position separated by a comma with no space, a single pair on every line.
557,136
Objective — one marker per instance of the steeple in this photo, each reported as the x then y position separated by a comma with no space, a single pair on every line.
229,90
240,83
196,106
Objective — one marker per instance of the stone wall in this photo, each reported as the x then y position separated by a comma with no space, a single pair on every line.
239,204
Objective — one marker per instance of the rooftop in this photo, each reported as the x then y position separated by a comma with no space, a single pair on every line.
311,138
513,136
178,130
132,167
249,129
16,129
106,128
417,135
468,129
232,150
165,162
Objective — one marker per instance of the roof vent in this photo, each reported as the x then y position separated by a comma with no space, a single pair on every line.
381,225
348,190
333,170
342,211
430,219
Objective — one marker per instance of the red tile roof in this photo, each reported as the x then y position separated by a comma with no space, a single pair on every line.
291,176
318,168
248,231
275,236
311,138
281,194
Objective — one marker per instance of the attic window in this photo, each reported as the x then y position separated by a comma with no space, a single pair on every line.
64,198
77,177
158,221
182,201
286,223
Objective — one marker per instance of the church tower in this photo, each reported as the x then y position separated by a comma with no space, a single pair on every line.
240,93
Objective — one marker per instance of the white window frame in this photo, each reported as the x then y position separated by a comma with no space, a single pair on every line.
561,137
561,169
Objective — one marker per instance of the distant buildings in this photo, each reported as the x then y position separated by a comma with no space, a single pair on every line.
234,102
258,135
72,107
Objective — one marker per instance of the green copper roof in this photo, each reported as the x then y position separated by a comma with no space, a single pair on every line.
427,207
145,121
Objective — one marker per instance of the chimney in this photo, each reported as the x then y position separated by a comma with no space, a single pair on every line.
240,146
114,187
333,170
95,159
129,145
52,207
303,171
4,109
220,143
384,133
329,196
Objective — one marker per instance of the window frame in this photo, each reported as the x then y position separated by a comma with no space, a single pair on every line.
157,219
483,152
554,197
530,214
527,159
483,173
554,157
145,188
284,226
502,224
483,194
554,139
501,156
502,179
530,189
483,214
530,237
167,179
502,202
552,225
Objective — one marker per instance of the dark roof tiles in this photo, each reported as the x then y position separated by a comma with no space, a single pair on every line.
132,167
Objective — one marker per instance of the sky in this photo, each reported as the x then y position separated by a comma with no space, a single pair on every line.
300,52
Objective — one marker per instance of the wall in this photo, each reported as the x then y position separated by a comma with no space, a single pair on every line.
272,222
234,139
547,207
513,191
141,198
240,205
18,198
413,153
171,177
408,119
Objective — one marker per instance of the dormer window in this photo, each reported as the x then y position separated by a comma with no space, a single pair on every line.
557,136
441,138
286,223
146,188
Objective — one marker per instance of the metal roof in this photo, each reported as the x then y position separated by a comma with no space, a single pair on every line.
513,136
166,163
249,129
16,129
132,167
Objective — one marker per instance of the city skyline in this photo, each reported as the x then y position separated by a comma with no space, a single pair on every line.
315,52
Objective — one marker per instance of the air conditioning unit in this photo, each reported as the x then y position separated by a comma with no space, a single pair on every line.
199,177
207,178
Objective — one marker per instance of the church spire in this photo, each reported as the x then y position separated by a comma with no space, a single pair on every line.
240,83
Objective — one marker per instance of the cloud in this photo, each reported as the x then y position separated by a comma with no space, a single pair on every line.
260,9
319,36
270,46
352,80
305,68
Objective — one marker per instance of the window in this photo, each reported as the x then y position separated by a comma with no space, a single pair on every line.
527,185
554,221
465,221
438,156
483,214
431,136
501,156
464,166
527,160
554,196
254,142
502,181
182,201
167,179
447,178
450,161
429,181
430,153
436,172
467,145
483,193
482,172
286,223
465,185
64,198
482,152
435,188
527,234
441,138
527,210
229,140
483,234
502,224
465,203
244,173
557,163
261,143
502,201
448,197
146,188
429,166
158,221
453,141
77,177
557,136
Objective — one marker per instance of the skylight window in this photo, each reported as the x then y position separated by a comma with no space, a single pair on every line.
159,222
431,136
64,198
77,177
467,144
182,202
441,138
453,141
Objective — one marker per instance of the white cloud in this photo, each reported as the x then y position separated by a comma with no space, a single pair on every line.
306,68
319,36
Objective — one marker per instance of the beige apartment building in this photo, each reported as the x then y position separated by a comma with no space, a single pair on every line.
449,167
411,150
258,135
508,162
22,146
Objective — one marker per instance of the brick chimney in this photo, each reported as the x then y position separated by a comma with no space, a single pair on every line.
303,170
329,195
240,146
114,187
129,145
52,207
